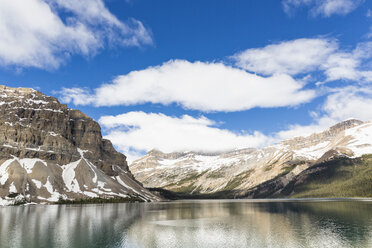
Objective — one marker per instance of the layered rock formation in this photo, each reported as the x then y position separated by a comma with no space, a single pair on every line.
241,170
50,152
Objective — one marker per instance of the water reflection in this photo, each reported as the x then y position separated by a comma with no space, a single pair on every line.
190,224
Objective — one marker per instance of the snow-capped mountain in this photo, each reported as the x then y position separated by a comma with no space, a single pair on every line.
49,152
243,169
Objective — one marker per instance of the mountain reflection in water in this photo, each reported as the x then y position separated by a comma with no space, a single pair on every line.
190,224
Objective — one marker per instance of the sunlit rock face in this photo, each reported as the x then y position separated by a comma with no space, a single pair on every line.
48,152
239,170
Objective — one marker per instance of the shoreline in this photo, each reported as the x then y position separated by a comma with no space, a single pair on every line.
119,201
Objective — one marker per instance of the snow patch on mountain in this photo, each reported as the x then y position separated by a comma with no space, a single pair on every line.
361,142
68,175
313,152
4,171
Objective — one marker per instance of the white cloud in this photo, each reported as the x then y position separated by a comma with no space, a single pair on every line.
307,56
43,34
136,132
91,11
325,8
201,86
341,104
350,102
291,57
339,7
349,65
79,96
341,66
131,33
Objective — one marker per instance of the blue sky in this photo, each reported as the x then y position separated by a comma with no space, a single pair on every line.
195,75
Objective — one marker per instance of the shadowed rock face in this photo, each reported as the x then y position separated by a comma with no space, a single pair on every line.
41,139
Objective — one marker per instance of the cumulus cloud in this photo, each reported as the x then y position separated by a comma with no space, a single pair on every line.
79,96
43,33
350,102
308,56
200,86
324,8
353,65
341,104
136,132
291,57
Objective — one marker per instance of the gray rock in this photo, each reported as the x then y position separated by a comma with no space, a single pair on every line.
41,139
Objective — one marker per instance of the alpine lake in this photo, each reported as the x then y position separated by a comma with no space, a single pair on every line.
192,223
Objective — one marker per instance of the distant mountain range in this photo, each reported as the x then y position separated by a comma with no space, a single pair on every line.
333,163
49,153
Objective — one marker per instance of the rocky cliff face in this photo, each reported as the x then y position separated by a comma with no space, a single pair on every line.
239,170
48,152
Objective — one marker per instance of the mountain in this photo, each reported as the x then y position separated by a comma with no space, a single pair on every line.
256,173
49,152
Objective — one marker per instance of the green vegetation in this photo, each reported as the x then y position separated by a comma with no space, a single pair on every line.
173,195
271,165
236,181
268,167
20,201
232,184
216,174
186,185
99,200
184,192
188,188
287,169
191,177
13,195
338,178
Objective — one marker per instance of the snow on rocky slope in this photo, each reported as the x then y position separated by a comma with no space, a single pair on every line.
49,152
194,172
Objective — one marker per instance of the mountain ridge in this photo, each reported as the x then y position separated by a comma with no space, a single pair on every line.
239,170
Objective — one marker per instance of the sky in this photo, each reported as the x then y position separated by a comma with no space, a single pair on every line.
191,75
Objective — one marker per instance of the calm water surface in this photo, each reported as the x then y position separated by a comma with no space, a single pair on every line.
190,224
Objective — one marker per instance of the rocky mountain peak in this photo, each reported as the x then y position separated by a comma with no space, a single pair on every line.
34,124
38,127
341,126
327,135
16,91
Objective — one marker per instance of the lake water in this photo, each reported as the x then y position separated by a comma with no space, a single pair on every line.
190,224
